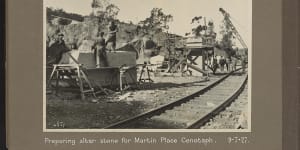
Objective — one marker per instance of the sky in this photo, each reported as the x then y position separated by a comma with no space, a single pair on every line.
182,11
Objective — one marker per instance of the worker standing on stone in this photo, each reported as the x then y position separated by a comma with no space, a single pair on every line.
112,36
100,52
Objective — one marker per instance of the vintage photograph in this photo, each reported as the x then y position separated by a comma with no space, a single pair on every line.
147,65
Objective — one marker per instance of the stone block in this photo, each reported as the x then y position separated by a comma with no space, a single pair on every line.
119,58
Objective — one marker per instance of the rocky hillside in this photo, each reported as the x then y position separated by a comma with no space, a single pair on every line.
76,28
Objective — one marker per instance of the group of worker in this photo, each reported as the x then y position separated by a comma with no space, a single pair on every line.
57,47
228,63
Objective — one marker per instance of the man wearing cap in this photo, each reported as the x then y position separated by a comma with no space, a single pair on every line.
55,51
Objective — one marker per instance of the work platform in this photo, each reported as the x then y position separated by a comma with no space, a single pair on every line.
119,75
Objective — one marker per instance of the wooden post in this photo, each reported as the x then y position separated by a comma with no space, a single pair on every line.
56,84
121,75
51,76
80,83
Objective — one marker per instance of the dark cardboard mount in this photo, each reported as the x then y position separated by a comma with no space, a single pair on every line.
291,74
276,81
2,76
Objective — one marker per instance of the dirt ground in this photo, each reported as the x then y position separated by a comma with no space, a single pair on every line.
67,110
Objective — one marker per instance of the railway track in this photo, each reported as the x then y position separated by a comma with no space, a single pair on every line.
234,116
192,111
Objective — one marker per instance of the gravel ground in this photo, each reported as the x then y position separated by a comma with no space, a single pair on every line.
234,117
67,110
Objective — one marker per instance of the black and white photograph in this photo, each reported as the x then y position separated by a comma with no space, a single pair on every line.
147,65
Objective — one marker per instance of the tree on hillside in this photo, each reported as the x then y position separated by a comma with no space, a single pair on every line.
157,22
60,13
104,10
112,11
227,35
99,5
200,27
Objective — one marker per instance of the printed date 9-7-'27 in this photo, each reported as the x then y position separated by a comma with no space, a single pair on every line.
237,140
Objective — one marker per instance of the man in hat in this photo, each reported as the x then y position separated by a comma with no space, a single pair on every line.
55,51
